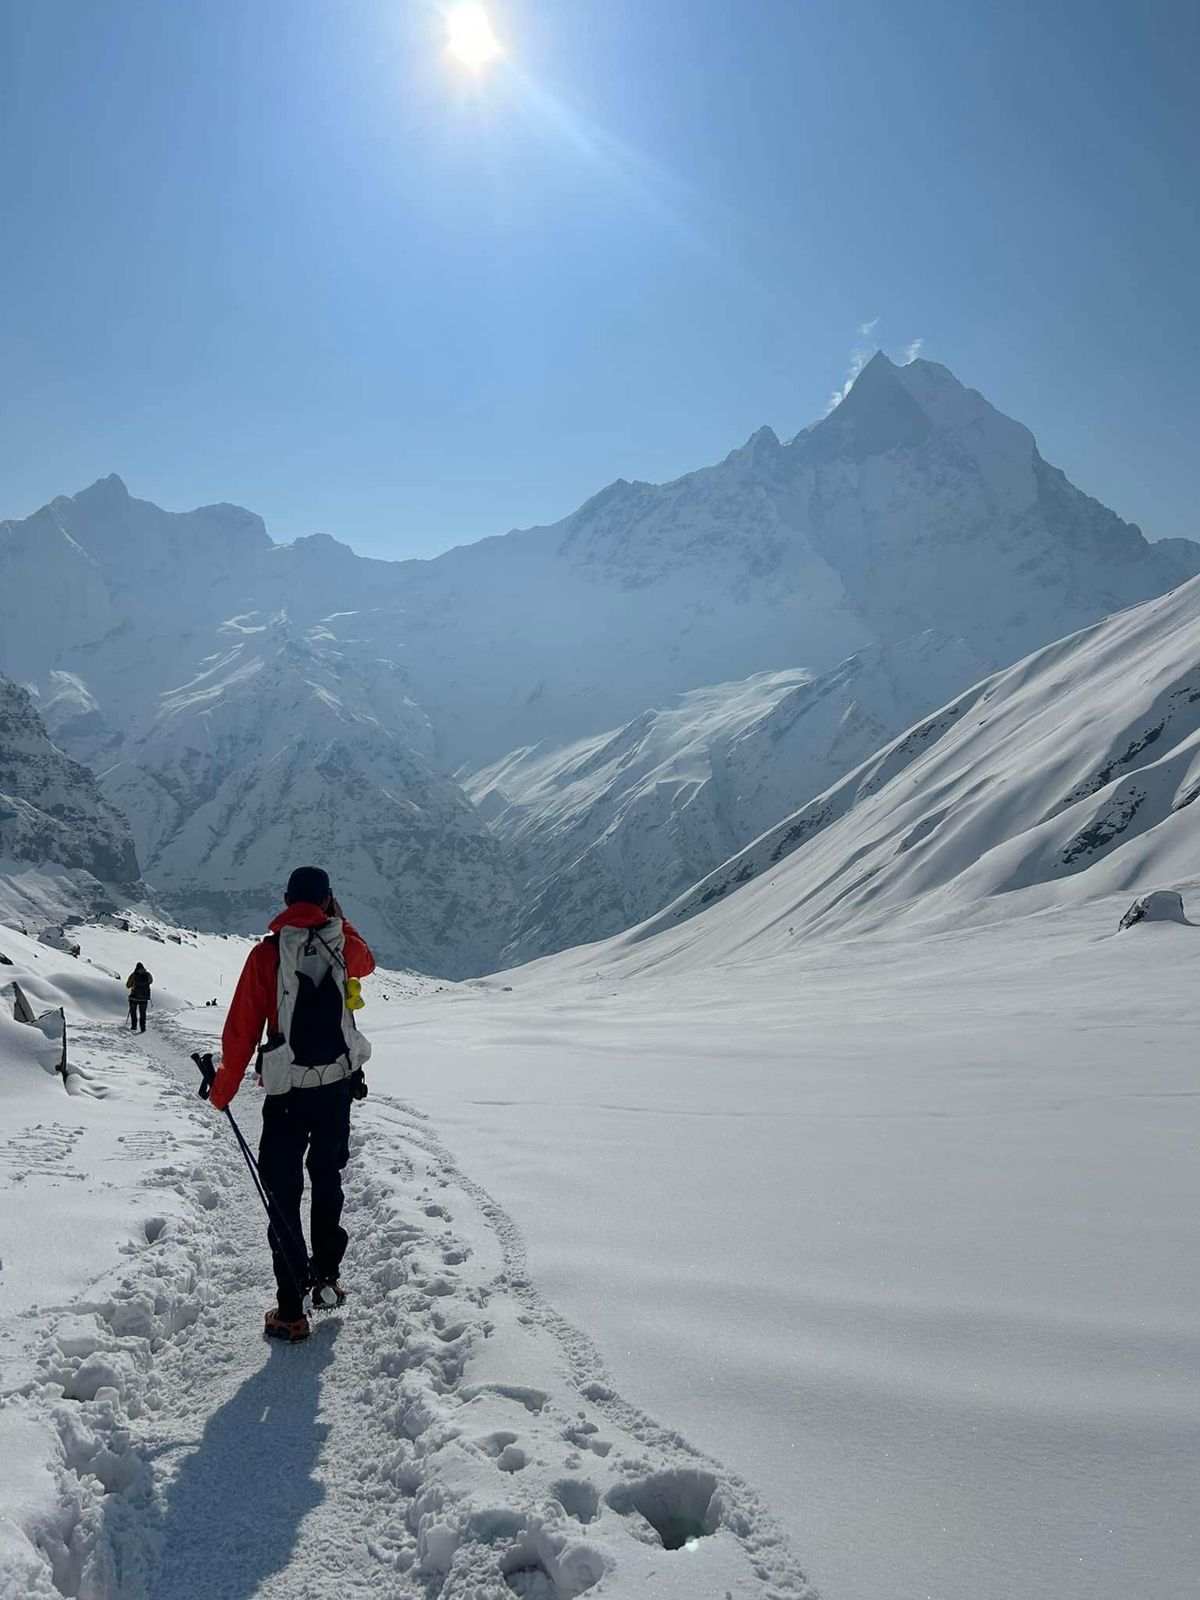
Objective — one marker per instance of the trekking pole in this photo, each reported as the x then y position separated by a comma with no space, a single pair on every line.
274,1216
208,1072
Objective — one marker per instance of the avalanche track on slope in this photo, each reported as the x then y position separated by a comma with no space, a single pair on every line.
448,1434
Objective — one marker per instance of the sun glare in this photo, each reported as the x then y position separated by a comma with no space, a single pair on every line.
469,34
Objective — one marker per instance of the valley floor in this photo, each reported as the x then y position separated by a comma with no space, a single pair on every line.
904,1231
870,1266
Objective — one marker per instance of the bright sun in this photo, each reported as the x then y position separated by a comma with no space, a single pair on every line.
469,34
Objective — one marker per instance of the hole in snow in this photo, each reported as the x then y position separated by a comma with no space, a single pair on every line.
578,1498
677,1505
532,1582
493,1523
494,1443
511,1459
534,1400
153,1227
583,1434
86,1382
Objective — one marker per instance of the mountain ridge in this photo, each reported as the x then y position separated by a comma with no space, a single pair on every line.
913,509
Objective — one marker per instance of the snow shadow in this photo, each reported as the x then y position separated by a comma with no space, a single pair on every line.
678,1504
232,1514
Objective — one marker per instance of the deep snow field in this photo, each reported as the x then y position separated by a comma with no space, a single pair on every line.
868,1263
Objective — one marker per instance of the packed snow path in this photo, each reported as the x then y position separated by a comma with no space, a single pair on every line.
445,1434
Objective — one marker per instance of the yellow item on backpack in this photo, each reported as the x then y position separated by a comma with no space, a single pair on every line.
354,999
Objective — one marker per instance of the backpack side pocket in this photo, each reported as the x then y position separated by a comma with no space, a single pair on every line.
275,1065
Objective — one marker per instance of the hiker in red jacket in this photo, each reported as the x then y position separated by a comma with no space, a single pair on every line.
296,984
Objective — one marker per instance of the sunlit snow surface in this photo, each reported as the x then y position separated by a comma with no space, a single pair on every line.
448,1431
898,1234
902,1230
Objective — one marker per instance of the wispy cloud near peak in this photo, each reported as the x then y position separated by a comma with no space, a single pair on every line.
913,351
858,360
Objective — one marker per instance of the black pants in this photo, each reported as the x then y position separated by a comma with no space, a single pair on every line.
137,1013
316,1121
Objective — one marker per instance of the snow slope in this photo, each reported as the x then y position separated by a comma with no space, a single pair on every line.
607,831
1062,778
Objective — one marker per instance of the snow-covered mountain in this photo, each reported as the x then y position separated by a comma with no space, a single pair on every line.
606,831
914,507
63,848
240,742
286,745
91,569
1068,776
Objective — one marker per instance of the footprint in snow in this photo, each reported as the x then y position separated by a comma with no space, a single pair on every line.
584,1436
578,1498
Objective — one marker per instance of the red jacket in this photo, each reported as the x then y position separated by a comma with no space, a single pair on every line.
254,999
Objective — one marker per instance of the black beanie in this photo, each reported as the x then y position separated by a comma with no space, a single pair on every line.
309,884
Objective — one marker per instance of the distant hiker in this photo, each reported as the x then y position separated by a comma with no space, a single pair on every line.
138,983
301,985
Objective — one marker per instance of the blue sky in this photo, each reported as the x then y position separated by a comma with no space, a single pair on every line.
284,253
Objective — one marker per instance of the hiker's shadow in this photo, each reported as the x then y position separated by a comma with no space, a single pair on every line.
233,1513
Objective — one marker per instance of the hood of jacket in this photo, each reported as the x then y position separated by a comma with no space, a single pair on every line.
300,915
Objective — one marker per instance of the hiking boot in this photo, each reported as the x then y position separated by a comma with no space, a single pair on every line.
291,1332
327,1293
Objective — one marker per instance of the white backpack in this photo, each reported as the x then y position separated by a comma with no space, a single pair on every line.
317,1041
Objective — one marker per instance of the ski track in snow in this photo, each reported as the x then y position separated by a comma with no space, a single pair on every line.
447,1434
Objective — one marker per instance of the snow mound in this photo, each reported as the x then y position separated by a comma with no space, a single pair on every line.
57,938
82,991
1160,905
24,1045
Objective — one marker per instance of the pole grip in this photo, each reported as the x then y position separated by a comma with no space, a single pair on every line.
207,1072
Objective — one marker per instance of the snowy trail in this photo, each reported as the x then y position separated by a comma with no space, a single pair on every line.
446,1434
